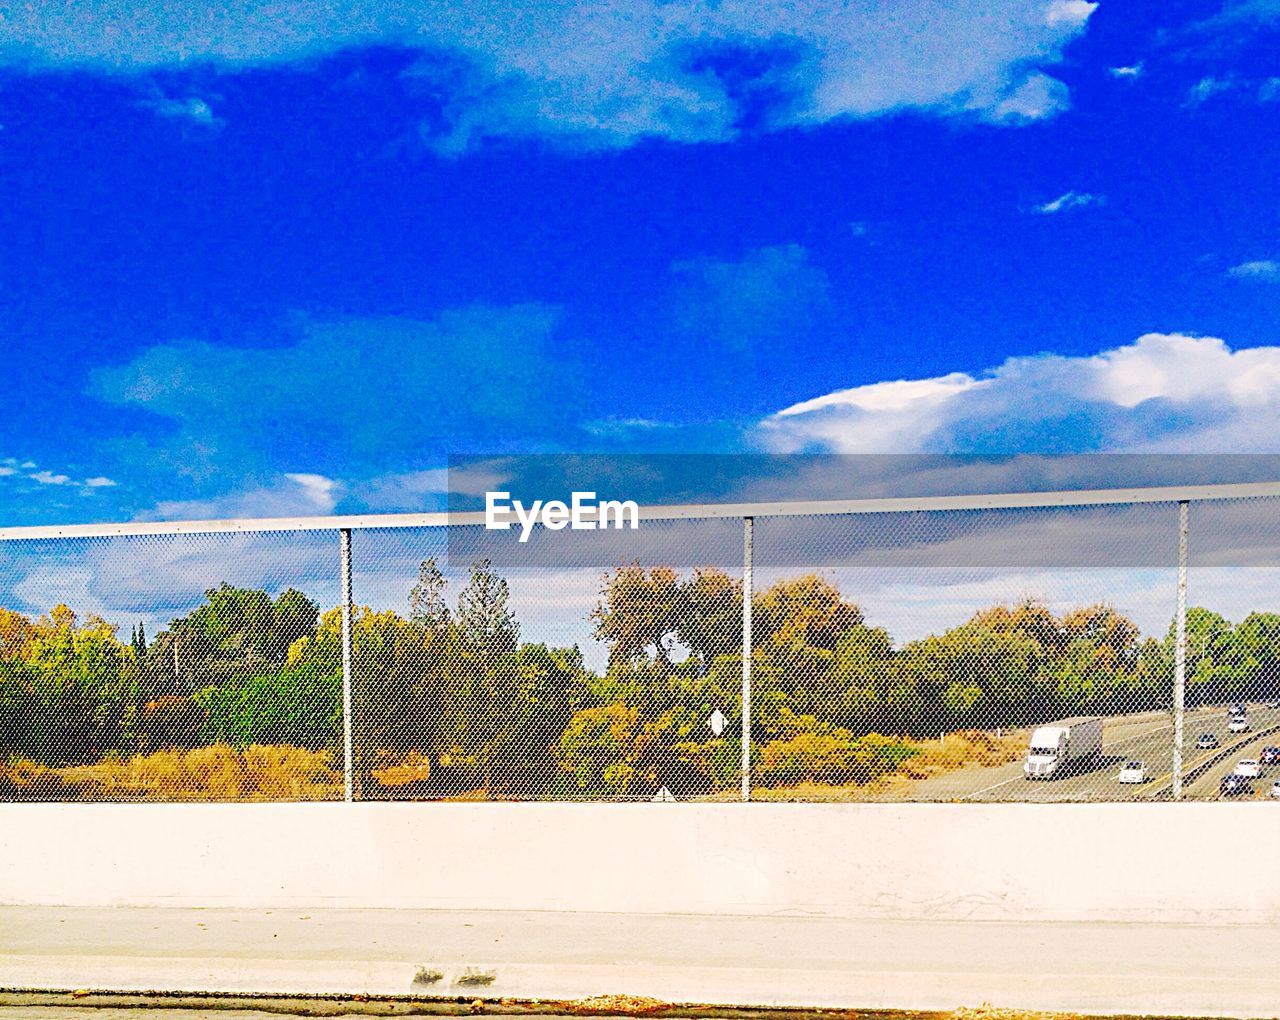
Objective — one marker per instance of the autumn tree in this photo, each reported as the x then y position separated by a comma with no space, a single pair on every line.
637,613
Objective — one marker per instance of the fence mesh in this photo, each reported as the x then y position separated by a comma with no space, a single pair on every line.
555,669
1018,655
167,668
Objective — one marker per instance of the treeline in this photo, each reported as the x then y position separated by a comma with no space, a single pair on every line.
448,701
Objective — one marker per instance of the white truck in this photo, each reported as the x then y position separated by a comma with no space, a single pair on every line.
1059,746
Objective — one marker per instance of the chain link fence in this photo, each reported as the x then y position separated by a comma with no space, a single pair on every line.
960,650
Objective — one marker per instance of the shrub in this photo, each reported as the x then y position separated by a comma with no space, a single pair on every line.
169,721
810,750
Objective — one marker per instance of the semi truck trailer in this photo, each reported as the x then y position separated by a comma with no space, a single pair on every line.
1058,747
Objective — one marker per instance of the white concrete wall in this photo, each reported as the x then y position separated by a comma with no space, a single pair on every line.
1187,862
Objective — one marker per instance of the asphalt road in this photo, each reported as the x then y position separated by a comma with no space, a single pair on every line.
1146,737
1206,787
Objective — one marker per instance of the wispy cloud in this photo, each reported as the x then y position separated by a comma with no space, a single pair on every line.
1069,200
754,299
289,495
191,109
388,391
17,471
1208,87
1163,392
608,74
1128,72
49,478
1262,269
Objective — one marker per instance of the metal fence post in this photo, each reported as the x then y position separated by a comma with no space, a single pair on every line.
1180,653
747,524
348,769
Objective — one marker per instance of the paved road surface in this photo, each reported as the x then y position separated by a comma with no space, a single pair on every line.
1140,969
1206,787
1145,737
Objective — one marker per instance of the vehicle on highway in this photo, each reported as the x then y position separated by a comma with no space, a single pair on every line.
1269,755
1207,742
1248,767
1275,789
1273,704
1058,746
1234,786
1133,772
1238,708
1238,725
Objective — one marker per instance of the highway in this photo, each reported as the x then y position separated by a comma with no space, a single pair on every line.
1205,787
1145,737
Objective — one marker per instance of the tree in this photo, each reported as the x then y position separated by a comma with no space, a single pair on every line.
710,614
17,633
485,621
804,612
427,606
67,700
638,613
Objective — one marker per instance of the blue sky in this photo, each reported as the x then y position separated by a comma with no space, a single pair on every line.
277,259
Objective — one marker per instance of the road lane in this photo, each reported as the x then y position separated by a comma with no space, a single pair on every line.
1123,739
1143,736
1206,786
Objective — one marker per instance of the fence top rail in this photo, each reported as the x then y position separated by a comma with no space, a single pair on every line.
671,512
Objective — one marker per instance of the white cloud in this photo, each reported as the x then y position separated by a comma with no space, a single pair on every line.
191,109
1036,97
1129,72
1208,87
30,471
49,478
290,495
1072,13
1164,392
1263,269
423,491
1069,200
609,72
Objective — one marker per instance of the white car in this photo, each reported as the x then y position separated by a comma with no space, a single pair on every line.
1239,725
1275,789
1248,768
1133,772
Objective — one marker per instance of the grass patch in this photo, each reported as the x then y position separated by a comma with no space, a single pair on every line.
264,772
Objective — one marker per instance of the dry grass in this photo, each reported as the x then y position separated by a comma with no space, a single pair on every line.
962,749
217,772
22,779
412,768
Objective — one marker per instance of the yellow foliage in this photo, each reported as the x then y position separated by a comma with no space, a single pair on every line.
414,767
23,779
17,634
215,772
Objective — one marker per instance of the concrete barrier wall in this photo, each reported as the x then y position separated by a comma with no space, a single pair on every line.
1186,862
